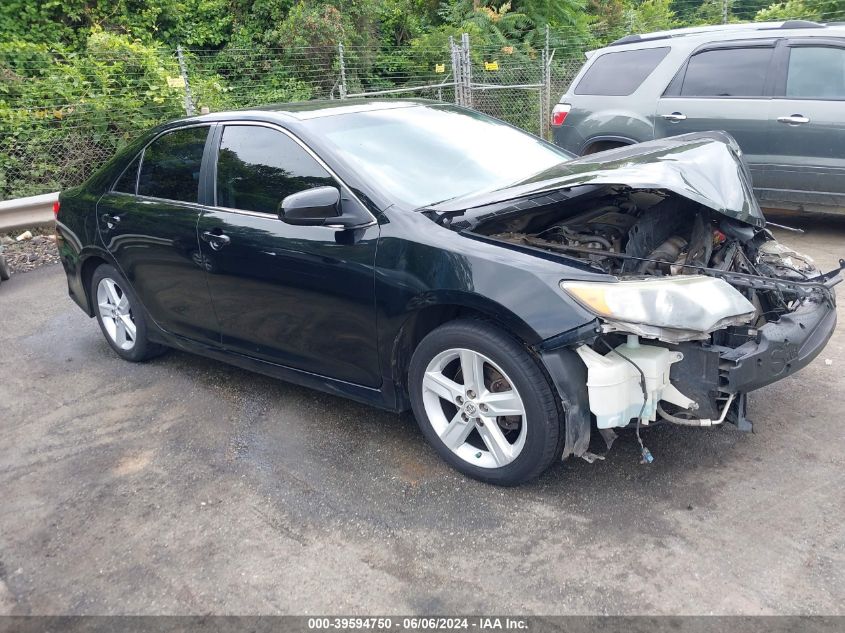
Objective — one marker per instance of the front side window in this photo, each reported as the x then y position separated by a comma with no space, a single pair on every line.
258,167
816,72
727,72
128,181
170,167
619,74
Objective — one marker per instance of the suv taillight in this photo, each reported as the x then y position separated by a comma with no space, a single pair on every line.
559,113
56,206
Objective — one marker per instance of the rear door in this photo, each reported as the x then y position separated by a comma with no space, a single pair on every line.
148,222
299,296
724,86
808,123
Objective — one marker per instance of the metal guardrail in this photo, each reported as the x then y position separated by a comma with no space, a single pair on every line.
27,212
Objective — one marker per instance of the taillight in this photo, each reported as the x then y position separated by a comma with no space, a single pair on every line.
56,206
559,113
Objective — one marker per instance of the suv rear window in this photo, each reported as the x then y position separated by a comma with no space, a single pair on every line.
727,72
619,74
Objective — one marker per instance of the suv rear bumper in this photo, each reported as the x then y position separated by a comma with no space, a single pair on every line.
567,137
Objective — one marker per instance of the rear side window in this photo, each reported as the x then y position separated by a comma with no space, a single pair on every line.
170,168
258,167
816,72
727,72
129,179
619,74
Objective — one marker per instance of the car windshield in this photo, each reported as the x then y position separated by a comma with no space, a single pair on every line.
424,155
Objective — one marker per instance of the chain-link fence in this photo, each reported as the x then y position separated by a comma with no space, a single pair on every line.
92,105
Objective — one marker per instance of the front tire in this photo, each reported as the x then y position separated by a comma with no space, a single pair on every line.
483,403
120,315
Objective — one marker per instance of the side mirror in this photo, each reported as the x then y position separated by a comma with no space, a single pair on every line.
312,207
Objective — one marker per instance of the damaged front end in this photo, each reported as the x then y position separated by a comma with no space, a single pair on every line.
698,305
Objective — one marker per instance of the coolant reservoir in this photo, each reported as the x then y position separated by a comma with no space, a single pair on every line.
613,383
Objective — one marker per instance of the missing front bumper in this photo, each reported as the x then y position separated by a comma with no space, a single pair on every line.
779,349
707,374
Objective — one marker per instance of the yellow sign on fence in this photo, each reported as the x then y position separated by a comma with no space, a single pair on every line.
440,68
491,65
175,82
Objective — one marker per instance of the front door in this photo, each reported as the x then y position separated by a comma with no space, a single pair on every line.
299,296
723,88
808,124
148,222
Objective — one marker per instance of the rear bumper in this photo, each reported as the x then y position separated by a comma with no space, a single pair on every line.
780,348
567,137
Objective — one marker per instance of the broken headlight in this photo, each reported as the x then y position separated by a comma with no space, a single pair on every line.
690,302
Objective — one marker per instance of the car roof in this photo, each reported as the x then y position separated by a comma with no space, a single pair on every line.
304,110
288,113
696,35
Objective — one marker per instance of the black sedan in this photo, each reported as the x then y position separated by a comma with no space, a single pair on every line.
410,254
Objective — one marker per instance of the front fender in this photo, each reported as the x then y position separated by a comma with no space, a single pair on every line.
420,264
426,273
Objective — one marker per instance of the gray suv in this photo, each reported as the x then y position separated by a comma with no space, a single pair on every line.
778,88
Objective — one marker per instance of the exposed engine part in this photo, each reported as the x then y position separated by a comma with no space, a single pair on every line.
666,220
668,251
639,233
786,260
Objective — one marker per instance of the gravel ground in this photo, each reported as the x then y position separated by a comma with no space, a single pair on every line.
187,486
30,254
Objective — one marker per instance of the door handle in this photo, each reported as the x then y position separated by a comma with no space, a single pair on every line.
674,117
110,220
793,119
216,240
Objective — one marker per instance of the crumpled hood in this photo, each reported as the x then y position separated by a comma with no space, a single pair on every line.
705,167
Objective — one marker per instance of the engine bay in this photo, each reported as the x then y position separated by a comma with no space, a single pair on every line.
635,234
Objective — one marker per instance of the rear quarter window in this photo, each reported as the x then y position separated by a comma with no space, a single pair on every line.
620,74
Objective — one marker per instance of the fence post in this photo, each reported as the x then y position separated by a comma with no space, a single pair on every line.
541,130
455,70
546,90
343,91
467,67
183,70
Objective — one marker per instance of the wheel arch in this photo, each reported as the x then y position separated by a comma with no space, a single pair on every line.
419,322
90,260
604,142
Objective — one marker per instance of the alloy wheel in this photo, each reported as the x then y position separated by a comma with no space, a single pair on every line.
474,408
116,314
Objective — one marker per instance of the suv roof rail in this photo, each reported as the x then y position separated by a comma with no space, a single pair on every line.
801,24
698,30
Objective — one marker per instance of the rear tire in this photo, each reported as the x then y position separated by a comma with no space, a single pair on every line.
120,315
457,415
5,272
